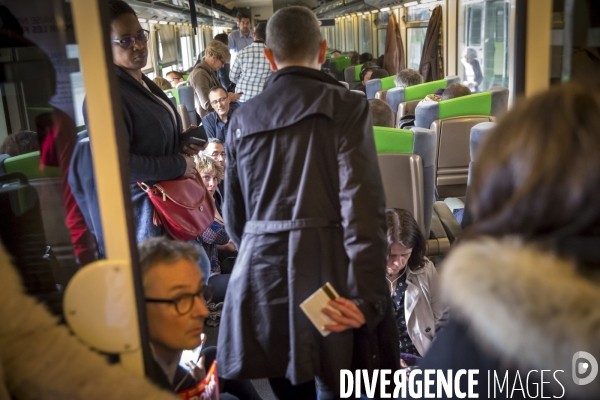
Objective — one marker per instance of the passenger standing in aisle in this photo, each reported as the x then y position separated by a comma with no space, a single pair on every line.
152,125
251,68
305,206
241,38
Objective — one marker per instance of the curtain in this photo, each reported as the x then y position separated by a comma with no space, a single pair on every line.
168,44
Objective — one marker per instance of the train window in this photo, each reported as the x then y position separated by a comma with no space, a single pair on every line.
415,37
350,34
187,55
483,43
366,33
473,25
421,12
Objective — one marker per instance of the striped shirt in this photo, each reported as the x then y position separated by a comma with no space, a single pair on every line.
250,71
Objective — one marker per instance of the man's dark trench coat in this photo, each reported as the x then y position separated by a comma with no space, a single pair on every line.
305,206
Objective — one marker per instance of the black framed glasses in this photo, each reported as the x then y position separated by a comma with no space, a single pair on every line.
129,42
184,303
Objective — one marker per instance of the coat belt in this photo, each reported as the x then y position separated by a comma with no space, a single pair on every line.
262,227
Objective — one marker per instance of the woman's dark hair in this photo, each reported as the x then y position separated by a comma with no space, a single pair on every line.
20,143
403,229
354,57
118,8
538,173
364,57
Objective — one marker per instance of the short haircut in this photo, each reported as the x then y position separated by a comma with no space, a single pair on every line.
215,88
364,57
118,8
205,163
403,229
245,16
336,51
179,74
455,90
20,143
293,35
382,113
162,83
408,77
223,38
368,66
379,73
260,31
218,50
215,140
354,57
158,250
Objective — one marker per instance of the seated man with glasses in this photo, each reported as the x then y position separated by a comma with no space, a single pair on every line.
176,299
217,121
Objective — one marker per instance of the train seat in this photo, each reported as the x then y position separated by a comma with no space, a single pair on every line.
338,64
29,165
185,117
352,75
173,94
452,121
345,84
406,160
376,85
358,92
453,229
404,100
48,184
186,97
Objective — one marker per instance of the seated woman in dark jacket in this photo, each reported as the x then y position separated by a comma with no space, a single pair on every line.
524,283
151,121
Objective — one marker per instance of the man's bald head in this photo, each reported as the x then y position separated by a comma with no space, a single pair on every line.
293,35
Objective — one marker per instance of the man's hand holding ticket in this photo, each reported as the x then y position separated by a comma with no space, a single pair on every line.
331,313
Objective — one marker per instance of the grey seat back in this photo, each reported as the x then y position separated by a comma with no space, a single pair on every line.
346,84
402,176
478,134
453,153
186,97
452,121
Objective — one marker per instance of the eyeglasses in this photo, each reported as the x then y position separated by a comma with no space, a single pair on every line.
184,303
221,100
216,155
129,42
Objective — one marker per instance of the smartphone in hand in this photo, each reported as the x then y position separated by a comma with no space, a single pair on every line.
195,136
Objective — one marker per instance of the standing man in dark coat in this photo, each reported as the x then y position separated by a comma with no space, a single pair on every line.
305,206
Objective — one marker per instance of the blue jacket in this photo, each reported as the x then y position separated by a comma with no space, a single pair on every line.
214,127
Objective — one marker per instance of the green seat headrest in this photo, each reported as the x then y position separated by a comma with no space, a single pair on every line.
473,104
392,140
417,92
30,166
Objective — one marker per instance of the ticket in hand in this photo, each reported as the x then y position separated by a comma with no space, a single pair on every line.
316,302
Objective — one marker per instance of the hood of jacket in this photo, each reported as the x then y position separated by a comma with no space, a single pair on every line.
526,306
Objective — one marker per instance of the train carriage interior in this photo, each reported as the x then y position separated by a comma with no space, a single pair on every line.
62,132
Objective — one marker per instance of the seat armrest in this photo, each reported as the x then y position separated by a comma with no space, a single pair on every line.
448,221
438,243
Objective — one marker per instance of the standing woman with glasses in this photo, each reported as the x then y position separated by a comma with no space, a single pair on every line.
152,123
203,77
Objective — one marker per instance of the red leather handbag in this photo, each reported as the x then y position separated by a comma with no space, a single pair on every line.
182,206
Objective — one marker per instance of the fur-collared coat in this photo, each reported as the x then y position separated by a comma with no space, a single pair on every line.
40,359
518,308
